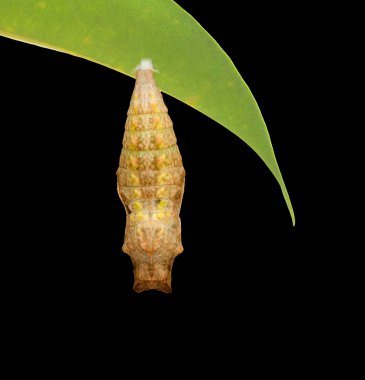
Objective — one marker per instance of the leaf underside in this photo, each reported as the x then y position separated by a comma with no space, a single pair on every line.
118,33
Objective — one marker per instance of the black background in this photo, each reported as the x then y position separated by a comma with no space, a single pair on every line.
244,266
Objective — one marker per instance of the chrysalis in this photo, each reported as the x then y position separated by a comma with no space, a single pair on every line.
151,180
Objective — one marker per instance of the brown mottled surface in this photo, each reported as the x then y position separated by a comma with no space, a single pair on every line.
151,186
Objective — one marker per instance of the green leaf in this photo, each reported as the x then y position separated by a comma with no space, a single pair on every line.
118,33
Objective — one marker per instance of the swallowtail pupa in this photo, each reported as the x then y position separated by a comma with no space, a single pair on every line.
151,180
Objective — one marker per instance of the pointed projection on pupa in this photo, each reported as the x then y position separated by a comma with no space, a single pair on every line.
151,181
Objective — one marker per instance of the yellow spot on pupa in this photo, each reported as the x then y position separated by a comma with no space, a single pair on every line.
160,215
157,123
163,214
154,107
133,162
160,160
41,4
159,141
133,125
137,206
134,179
137,193
134,141
163,178
162,204
138,217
